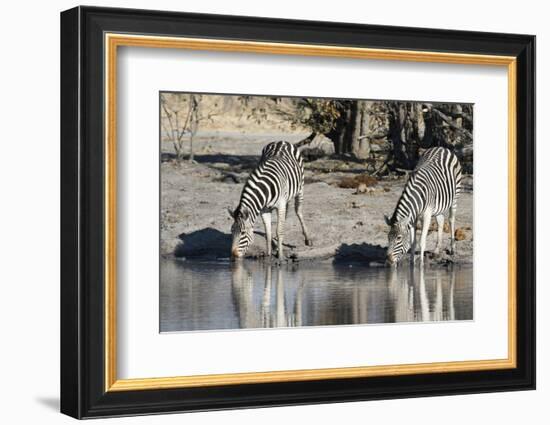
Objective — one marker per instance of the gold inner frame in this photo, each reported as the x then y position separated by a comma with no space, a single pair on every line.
113,41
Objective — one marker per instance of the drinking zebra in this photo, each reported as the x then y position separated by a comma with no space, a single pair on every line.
431,190
278,178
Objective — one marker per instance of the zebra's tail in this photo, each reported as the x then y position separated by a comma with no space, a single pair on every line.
459,176
282,148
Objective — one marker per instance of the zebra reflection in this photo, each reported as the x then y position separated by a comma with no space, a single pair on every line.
265,305
242,289
415,299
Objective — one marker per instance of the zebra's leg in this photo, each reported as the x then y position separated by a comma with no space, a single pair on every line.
281,214
440,219
452,214
298,207
412,235
426,219
266,218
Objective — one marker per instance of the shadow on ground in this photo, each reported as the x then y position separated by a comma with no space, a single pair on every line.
49,402
210,243
235,162
204,243
364,253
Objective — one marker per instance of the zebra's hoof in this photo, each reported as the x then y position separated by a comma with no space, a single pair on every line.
434,255
309,242
278,261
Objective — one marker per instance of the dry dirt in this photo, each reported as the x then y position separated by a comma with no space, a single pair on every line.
344,225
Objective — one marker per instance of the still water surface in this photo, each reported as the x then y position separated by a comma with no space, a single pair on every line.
201,295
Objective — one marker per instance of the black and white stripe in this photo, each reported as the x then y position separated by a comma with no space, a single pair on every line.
278,178
431,191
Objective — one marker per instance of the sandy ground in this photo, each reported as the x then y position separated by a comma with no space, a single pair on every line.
345,226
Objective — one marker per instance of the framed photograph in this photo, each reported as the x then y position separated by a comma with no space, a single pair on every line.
261,212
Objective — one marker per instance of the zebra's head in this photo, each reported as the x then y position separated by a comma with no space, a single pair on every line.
399,241
242,232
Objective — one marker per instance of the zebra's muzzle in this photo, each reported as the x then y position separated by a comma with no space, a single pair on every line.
390,261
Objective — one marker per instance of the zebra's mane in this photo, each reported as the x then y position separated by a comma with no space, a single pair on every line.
430,165
263,186
242,211
410,181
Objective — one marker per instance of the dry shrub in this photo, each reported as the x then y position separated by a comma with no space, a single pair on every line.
460,234
354,182
348,183
433,226
362,188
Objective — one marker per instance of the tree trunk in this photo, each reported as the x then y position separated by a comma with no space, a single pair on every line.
345,129
397,134
349,126
338,134
360,146
457,112
193,124
191,147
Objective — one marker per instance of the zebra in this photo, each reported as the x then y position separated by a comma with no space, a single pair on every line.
431,190
278,178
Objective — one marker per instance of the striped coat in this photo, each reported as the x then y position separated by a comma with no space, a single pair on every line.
431,191
278,178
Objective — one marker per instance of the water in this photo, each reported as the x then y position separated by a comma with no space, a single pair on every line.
200,295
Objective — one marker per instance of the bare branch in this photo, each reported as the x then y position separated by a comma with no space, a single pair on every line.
402,170
375,134
167,131
450,122
306,141
382,168
167,113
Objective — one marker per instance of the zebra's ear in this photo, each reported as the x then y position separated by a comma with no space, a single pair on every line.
231,213
387,220
245,214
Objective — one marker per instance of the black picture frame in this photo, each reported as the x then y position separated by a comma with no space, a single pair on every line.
83,392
